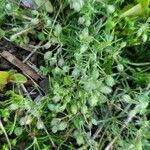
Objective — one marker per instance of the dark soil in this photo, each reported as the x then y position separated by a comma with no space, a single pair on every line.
17,51
12,48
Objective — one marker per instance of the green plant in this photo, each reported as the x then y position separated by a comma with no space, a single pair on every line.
139,9
11,76
95,58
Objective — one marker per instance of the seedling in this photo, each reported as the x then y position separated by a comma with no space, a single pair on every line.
11,76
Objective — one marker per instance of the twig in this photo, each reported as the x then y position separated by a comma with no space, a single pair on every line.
23,67
36,48
37,87
35,68
95,135
25,91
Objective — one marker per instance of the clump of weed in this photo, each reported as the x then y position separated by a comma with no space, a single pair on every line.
98,90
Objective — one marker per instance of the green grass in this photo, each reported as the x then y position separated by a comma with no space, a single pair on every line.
98,68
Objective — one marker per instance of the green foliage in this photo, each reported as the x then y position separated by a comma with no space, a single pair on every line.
11,76
145,5
18,78
139,9
2,10
96,59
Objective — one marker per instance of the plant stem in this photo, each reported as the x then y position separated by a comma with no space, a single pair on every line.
5,133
